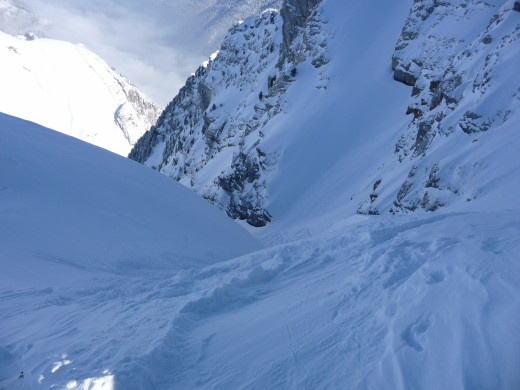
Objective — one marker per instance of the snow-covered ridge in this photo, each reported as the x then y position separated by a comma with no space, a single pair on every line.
78,218
209,137
68,88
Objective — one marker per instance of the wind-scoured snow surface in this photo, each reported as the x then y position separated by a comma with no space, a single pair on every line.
70,89
340,298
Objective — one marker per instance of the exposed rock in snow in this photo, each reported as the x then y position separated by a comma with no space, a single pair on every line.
209,137
451,53
294,14
196,128
455,55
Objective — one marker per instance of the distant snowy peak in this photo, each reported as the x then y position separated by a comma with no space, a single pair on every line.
66,87
209,137
17,19
236,136
70,89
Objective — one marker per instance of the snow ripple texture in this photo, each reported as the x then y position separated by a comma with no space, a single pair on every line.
396,303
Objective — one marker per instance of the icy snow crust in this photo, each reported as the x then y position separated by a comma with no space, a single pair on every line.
68,88
425,300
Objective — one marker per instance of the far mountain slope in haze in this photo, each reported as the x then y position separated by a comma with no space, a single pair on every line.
67,87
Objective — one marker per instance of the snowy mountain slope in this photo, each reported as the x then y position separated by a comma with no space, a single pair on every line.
271,101
68,88
83,229
461,58
114,197
425,300
329,100
112,277
209,137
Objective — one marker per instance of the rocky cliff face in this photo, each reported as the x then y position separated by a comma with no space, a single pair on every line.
453,54
458,58
136,114
210,136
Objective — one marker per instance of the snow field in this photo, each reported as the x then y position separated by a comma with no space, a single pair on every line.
83,228
389,302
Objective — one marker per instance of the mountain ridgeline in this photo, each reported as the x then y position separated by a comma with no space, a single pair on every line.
66,86
210,136
217,136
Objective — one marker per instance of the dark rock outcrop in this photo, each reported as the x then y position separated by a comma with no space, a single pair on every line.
294,14
404,77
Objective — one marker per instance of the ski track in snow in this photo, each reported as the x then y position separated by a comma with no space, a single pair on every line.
377,298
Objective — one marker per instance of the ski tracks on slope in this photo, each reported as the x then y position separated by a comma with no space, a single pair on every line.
384,306
231,286
387,303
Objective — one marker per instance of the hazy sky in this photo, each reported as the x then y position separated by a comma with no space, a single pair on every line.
155,43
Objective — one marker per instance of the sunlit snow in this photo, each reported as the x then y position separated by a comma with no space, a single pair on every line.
113,276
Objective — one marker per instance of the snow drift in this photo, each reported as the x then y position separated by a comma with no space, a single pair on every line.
77,217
